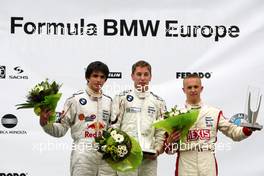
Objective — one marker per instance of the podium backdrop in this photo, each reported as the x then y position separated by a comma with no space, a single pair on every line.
223,41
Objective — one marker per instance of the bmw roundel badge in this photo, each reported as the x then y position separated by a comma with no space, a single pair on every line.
82,101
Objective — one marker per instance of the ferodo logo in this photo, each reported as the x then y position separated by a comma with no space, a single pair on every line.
182,75
13,174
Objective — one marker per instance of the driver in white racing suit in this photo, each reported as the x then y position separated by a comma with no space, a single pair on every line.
195,154
134,111
87,113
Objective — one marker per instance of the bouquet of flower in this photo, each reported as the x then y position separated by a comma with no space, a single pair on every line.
43,96
122,152
178,119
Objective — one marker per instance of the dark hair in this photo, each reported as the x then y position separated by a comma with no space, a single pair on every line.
95,67
141,63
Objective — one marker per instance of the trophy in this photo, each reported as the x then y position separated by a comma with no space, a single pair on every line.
146,142
252,115
147,146
250,119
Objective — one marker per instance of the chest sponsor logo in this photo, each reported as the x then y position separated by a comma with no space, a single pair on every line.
133,110
81,117
82,101
129,98
87,118
209,121
106,115
94,130
201,134
151,110
90,118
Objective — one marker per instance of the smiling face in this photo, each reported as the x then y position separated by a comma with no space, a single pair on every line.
192,87
96,81
141,78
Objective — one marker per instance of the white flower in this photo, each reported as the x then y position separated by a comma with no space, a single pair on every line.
122,150
183,110
189,108
176,113
120,154
103,148
113,133
119,138
121,147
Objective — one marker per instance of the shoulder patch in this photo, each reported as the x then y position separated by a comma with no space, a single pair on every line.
79,92
156,96
107,97
125,92
75,94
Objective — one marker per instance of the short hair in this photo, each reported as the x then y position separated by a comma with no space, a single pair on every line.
192,75
96,66
141,63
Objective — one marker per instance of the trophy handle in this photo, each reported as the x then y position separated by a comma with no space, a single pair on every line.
255,114
249,109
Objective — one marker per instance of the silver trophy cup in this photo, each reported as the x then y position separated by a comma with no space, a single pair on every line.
250,120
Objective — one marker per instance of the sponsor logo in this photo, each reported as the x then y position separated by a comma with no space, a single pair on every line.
94,130
13,174
116,75
182,75
2,72
209,121
151,111
106,115
87,118
129,98
81,117
133,109
19,70
90,118
9,121
239,118
82,101
16,75
202,134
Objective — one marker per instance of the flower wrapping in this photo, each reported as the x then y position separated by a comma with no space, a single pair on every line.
178,119
43,96
122,152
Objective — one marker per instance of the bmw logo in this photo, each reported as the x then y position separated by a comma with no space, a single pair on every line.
129,98
9,121
83,101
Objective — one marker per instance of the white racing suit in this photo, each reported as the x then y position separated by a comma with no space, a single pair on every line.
87,115
134,112
196,154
